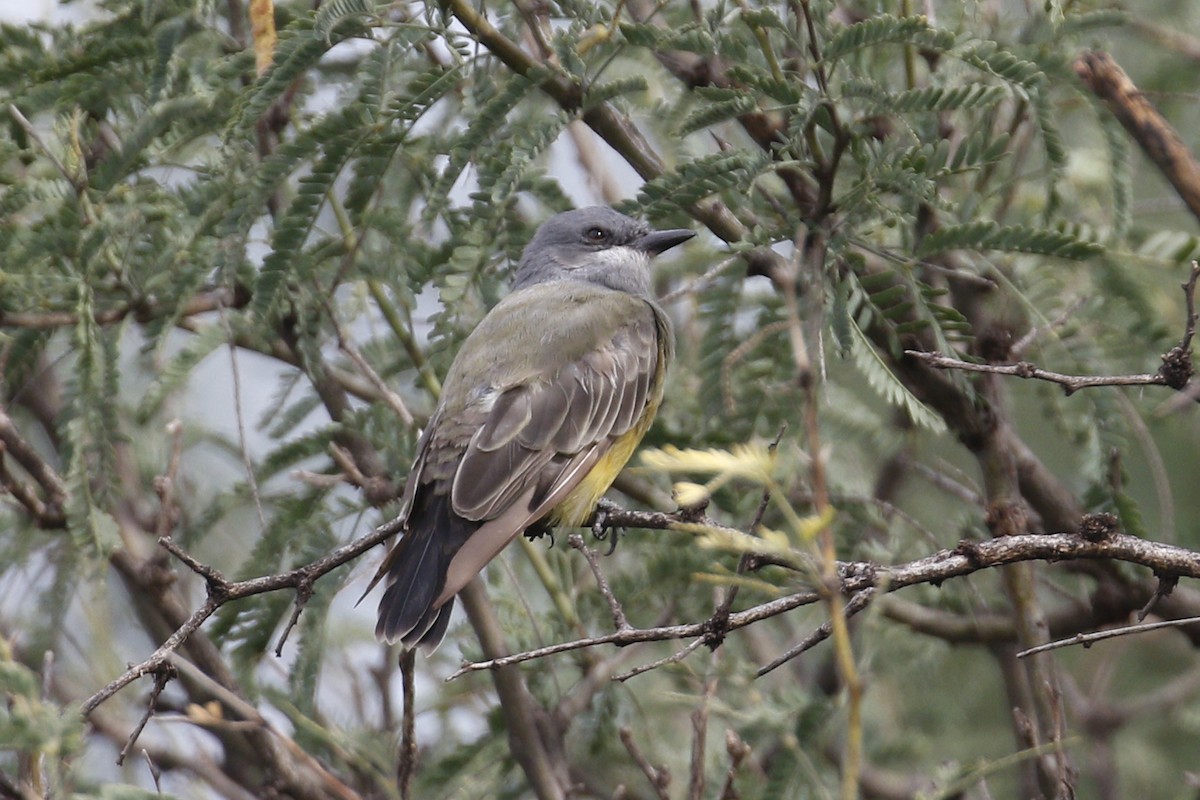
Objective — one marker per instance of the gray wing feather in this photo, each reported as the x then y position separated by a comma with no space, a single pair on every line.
510,415
533,431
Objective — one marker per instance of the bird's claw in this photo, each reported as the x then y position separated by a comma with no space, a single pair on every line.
538,530
602,530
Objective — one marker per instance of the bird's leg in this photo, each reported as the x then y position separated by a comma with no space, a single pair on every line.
602,530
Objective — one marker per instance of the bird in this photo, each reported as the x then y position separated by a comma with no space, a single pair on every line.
544,403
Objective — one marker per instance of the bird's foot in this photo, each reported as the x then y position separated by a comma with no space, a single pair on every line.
539,529
602,530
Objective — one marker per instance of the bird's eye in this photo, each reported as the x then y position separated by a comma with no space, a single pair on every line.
596,235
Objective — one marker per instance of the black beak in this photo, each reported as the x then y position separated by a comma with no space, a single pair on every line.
656,242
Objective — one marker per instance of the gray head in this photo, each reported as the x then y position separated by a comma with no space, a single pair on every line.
595,245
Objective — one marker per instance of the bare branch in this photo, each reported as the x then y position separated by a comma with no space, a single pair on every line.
618,614
304,593
32,462
1088,639
857,603
1166,585
659,777
1175,372
212,576
1189,300
677,656
1024,369
406,762
966,559
228,591
162,676
206,301
1150,129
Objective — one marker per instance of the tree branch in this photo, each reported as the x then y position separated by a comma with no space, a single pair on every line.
203,302
1024,369
966,559
222,591
1150,129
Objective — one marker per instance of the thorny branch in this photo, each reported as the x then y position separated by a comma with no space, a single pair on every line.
1176,370
222,591
857,577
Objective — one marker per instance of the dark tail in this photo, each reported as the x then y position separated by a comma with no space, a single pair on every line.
415,572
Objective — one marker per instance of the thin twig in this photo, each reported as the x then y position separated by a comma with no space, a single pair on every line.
1175,371
659,778
700,732
675,657
1088,639
240,418
857,603
30,131
393,400
699,282
1035,332
721,613
162,676
234,591
304,593
32,462
1189,300
212,576
1166,585
618,613
27,497
331,785
739,353
1024,369
164,485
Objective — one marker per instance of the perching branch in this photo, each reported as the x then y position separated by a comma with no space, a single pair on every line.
966,559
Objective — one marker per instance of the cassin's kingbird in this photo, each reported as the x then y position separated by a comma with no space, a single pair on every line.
542,407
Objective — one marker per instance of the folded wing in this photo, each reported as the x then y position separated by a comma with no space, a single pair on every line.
501,462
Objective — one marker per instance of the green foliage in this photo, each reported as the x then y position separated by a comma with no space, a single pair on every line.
879,29
888,386
884,183
932,98
27,722
697,179
987,235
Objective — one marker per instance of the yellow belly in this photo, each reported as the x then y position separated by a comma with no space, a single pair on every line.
577,507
